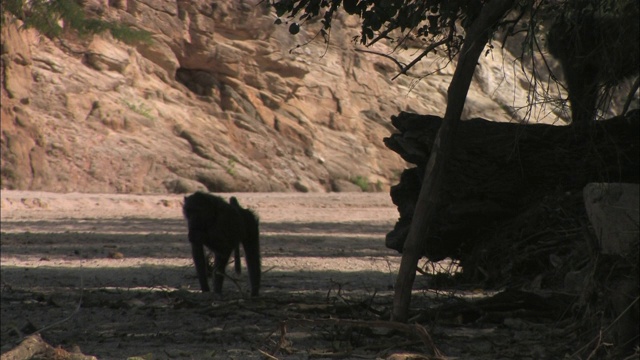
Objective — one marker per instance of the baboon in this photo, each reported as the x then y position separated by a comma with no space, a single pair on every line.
222,227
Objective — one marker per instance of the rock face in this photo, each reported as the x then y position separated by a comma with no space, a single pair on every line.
222,99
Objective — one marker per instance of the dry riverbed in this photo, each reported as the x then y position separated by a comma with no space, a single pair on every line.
112,275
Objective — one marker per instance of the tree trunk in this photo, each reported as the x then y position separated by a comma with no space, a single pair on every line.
477,36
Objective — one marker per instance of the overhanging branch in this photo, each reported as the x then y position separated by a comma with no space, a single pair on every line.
433,46
400,65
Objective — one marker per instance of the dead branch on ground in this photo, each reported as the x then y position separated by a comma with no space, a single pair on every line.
413,329
33,347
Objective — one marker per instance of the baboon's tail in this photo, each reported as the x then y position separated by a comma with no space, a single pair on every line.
236,260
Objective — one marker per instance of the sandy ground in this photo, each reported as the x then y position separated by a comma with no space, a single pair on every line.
112,275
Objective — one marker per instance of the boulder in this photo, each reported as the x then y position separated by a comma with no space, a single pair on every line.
613,210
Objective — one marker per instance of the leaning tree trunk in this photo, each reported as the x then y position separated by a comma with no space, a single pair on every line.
477,36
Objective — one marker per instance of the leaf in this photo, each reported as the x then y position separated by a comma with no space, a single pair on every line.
350,6
368,33
294,28
374,22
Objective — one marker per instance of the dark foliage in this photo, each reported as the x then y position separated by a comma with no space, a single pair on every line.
51,17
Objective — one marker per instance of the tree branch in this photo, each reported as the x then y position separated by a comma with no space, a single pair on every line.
632,92
431,47
400,65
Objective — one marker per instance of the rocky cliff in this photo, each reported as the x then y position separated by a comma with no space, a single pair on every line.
221,99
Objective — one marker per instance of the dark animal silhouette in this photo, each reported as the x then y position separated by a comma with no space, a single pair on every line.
222,227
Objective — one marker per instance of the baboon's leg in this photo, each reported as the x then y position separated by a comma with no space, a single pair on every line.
236,259
233,201
251,246
197,251
219,266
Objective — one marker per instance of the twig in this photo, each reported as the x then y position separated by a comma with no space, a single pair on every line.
595,349
235,282
309,42
77,309
424,53
283,341
599,337
400,65
418,329
632,92
269,356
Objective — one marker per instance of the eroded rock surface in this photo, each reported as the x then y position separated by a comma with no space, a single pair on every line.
222,99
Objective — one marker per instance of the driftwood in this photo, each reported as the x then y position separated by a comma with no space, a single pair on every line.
33,347
498,170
